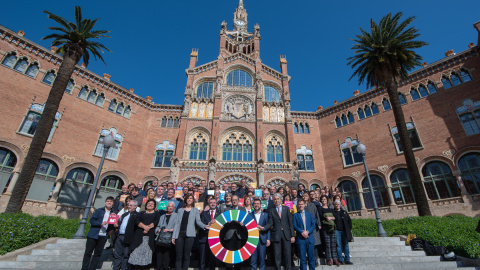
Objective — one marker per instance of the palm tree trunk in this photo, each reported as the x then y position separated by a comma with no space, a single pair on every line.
417,184
20,191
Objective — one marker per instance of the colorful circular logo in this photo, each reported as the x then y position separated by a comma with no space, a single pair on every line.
233,256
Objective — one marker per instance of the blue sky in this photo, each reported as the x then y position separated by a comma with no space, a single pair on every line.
152,40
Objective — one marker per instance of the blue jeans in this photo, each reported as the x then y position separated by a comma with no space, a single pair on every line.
342,245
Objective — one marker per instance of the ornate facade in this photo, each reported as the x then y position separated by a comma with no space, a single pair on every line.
236,123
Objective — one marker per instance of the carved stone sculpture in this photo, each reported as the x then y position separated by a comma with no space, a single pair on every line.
295,173
174,169
212,169
238,107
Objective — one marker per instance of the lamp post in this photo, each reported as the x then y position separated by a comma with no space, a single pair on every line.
107,141
362,149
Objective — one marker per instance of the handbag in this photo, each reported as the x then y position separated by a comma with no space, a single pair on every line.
164,239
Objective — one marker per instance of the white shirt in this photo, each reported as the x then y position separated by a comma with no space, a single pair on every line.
103,229
124,224
257,216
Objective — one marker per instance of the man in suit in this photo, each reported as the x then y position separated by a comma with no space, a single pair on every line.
261,218
97,235
304,225
235,200
126,227
281,234
207,217
267,197
237,191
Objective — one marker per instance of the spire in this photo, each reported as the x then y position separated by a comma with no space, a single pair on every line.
240,4
240,17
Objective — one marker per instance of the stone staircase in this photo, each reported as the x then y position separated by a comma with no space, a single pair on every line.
370,253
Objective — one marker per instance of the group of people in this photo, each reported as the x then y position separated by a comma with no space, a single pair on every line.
314,224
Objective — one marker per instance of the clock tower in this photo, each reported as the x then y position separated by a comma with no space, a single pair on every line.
240,21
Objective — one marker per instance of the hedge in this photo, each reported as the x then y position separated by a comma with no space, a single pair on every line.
456,233
20,230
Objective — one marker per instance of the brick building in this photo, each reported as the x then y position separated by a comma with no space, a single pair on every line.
236,123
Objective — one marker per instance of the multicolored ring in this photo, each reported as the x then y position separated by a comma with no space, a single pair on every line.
235,256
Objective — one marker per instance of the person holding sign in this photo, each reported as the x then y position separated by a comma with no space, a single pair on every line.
126,229
97,235
167,222
184,232
305,225
207,217
259,254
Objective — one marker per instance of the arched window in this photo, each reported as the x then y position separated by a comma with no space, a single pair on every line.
350,195
307,128
423,91
344,120
10,60
112,151
49,77
414,94
446,82
43,181
205,90
100,100
360,113
455,79
350,118
469,117
412,133
70,86
237,147
92,96
338,122
274,149
170,122
21,65
30,122
80,175
402,98
120,108
368,112
379,191
176,122
164,122
401,187
439,181
271,94
314,186
112,182
83,93
76,188
8,161
432,89
127,112
295,128
46,169
198,147
113,105
386,104
374,109
470,168
349,152
32,70
163,154
239,78
465,76
305,159
300,128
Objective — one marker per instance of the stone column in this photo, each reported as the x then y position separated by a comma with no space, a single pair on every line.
56,191
363,209
12,183
260,173
467,198
393,205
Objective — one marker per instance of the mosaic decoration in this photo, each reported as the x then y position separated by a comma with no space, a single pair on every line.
233,256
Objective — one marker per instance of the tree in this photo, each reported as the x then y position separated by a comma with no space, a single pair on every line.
382,59
74,42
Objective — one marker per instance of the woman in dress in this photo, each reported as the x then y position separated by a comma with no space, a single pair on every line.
328,231
184,232
165,253
144,236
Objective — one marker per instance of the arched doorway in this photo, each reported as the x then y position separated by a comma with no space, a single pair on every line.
77,187
43,181
111,185
350,195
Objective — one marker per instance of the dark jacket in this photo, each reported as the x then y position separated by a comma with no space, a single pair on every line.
130,229
279,227
205,218
96,223
343,217
138,234
264,235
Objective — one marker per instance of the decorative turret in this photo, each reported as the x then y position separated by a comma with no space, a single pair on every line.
240,22
193,58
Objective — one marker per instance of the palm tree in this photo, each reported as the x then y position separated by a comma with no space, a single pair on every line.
382,59
74,42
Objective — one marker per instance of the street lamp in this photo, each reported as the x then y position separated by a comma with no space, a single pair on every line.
107,141
362,149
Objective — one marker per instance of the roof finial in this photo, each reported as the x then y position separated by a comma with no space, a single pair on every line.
240,3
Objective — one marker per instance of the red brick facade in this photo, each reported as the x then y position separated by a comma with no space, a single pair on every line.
241,110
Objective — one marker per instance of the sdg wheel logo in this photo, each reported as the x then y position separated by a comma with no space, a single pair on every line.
233,237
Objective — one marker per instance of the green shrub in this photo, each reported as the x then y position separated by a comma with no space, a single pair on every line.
20,230
456,233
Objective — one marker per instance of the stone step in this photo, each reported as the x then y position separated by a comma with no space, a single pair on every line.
67,265
392,260
65,246
53,252
359,242
68,241
385,253
16,265
379,248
